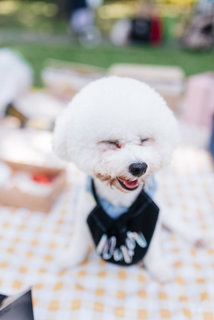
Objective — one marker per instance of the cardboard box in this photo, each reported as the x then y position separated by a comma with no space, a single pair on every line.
167,80
17,198
65,79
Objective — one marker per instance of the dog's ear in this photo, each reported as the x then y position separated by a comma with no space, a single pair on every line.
59,142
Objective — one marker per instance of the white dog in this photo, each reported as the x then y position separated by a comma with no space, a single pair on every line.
119,131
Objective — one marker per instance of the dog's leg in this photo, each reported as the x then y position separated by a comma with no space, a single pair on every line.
154,261
175,224
78,249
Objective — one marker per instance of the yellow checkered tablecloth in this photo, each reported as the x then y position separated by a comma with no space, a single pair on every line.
30,245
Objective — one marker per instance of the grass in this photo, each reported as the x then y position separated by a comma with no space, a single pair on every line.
38,53
33,16
21,19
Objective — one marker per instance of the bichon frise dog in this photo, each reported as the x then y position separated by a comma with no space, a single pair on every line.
119,131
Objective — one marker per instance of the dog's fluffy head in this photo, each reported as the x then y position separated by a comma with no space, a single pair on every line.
118,130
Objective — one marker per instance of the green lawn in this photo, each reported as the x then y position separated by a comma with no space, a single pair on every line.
38,53
31,27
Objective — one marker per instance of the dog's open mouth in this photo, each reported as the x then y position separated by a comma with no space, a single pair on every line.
128,185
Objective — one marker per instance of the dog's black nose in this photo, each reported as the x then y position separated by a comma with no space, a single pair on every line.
137,169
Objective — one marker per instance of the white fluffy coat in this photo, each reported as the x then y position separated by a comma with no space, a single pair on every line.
110,124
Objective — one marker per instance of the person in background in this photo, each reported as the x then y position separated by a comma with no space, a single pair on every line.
82,22
199,34
145,27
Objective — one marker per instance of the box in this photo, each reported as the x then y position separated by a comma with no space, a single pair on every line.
18,198
167,80
65,79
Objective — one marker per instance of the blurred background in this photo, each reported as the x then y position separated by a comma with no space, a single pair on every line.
159,32
50,49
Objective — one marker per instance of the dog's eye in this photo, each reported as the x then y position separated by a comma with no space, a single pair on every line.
113,143
143,141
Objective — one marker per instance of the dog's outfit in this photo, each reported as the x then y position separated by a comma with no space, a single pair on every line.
122,236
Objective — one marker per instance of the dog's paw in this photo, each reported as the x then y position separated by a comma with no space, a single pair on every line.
162,272
201,243
70,259
201,240
198,239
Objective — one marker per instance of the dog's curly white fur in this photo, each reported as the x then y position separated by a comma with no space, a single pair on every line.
109,125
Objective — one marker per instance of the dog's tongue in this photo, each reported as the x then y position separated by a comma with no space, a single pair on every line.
130,184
